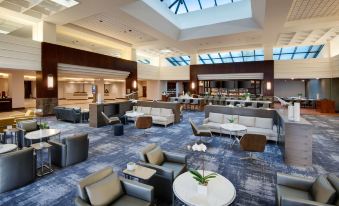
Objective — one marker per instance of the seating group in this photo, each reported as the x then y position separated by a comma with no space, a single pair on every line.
160,116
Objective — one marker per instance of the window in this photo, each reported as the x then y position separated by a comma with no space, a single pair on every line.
297,52
185,6
179,61
144,61
233,56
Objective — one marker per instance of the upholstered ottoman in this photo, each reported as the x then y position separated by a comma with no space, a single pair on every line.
118,129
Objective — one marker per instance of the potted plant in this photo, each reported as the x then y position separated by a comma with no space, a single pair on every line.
247,96
231,120
201,179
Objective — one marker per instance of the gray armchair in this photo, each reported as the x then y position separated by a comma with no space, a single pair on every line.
17,169
299,191
201,131
173,165
106,188
25,127
70,151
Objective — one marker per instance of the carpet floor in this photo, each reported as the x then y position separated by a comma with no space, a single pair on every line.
254,181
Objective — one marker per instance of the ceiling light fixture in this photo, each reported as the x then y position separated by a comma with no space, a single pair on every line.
66,3
163,51
4,32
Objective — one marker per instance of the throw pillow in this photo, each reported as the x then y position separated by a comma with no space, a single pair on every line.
105,191
155,156
322,190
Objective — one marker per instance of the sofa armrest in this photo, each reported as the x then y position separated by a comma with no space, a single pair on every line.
58,153
206,121
294,182
299,202
176,157
138,190
79,202
161,171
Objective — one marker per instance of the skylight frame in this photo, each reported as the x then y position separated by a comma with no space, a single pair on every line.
232,57
181,6
297,52
179,61
144,61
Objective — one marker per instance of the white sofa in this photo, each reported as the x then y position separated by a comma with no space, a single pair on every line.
255,125
160,116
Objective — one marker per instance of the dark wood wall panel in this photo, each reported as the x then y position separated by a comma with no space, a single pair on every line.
265,67
53,54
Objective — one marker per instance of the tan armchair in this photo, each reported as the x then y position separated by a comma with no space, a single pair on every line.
253,143
143,122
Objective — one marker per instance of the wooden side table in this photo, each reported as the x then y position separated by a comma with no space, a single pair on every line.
44,168
140,172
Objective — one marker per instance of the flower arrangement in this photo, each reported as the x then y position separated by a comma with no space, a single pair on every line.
201,178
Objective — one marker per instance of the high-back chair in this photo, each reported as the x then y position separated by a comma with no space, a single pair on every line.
200,131
253,143
110,120
143,122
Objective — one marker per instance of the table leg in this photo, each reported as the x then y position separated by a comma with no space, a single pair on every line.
49,159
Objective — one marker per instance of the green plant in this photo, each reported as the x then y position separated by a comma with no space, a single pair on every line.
231,120
201,178
44,125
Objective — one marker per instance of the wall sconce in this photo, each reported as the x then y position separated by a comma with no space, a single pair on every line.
268,85
50,81
134,84
193,85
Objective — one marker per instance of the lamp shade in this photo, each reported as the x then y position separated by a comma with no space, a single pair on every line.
50,81
268,85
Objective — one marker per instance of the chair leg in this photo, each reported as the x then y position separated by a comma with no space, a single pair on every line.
252,157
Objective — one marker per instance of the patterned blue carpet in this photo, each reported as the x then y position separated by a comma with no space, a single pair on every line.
254,182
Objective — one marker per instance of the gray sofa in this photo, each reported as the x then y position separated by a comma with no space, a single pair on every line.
17,169
106,188
299,191
167,169
68,114
70,151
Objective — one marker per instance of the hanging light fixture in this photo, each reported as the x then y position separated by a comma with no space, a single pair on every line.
50,81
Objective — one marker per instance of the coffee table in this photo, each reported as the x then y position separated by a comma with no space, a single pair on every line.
220,191
140,172
133,115
235,129
42,134
4,148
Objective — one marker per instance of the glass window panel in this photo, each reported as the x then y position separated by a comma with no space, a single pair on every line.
225,55
248,53
299,56
238,59
207,3
276,50
187,58
310,55
215,55
192,5
288,50
201,62
188,62
182,9
259,58
228,60
285,56
217,61
208,62
259,52
249,59
276,57
302,49
236,54
315,48
177,58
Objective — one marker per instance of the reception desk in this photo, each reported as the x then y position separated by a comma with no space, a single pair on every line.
114,108
296,140
5,104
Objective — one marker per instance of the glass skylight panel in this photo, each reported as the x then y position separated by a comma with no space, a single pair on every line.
144,61
185,6
66,3
179,61
233,56
236,54
299,52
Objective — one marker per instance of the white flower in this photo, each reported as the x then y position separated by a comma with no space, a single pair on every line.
199,147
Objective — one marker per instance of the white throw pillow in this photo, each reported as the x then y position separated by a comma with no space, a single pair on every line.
265,123
216,117
155,112
166,112
247,121
146,110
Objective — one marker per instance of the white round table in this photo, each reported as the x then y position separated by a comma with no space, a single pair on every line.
220,191
4,148
234,128
42,133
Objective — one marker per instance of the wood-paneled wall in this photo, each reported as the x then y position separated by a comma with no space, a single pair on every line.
53,54
265,67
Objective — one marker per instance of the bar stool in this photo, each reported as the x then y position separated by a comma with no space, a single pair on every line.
194,104
187,102
222,101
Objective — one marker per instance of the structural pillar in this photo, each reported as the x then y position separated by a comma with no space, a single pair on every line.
268,52
194,59
44,32
100,88
16,89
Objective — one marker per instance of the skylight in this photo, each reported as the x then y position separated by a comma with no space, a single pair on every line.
233,56
179,61
66,3
185,6
297,52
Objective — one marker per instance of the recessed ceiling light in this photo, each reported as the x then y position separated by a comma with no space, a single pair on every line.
66,3
3,32
165,51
